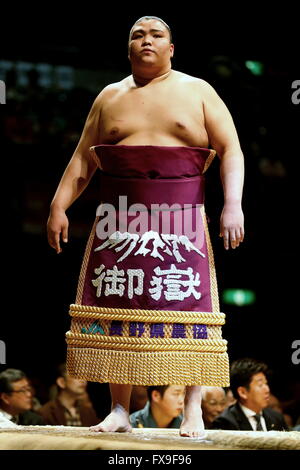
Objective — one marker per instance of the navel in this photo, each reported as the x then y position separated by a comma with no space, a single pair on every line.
114,131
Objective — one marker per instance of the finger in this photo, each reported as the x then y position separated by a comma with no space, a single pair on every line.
242,234
51,240
237,237
57,244
226,239
233,239
65,234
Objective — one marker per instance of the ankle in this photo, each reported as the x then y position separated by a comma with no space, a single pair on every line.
193,407
119,408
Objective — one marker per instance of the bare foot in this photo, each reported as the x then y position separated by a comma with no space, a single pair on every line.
192,424
116,421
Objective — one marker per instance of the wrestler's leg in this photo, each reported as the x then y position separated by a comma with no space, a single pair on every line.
118,419
192,424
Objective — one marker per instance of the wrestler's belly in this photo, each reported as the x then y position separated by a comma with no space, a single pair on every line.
162,139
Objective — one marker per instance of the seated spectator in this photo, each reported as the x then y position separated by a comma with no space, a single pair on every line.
16,399
163,408
275,404
230,400
250,387
70,407
213,403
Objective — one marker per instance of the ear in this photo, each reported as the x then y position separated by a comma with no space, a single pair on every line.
129,53
155,396
60,381
172,50
243,393
5,398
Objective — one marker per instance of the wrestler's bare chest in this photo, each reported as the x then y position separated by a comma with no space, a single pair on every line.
166,113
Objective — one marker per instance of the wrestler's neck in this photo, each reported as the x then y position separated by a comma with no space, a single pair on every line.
144,76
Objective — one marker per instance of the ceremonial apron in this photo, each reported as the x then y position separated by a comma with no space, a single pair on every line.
147,307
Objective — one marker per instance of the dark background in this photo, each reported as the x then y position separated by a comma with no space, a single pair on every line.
40,130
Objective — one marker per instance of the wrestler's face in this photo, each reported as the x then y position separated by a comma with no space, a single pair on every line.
256,396
172,401
149,44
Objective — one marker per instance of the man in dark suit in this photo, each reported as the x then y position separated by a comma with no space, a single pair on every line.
250,387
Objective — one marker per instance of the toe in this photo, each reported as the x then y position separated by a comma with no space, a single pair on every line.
97,428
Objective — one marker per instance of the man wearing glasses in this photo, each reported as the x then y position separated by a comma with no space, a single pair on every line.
16,399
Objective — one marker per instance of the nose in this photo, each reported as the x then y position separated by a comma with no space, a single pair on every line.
181,400
147,40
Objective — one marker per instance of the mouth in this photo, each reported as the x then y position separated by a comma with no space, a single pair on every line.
148,50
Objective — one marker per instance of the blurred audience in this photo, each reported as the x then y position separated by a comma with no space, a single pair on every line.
16,399
213,403
249,385
247,405
275,404
72,406
230,400
163,408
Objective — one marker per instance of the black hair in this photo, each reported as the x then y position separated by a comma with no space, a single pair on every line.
160,388
242,371
147,18
7,377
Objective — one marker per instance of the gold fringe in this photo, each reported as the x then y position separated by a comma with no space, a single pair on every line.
149,368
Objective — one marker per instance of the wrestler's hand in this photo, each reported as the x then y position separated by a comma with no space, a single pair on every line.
57,226
232,226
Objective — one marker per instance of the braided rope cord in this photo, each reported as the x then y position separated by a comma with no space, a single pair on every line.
141,315
143,344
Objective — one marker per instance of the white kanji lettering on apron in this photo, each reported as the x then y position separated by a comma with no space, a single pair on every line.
178,284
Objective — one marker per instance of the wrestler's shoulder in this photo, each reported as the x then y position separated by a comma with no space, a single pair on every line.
114,87
110,90
193,81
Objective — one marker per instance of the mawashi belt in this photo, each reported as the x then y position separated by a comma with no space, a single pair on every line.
168,191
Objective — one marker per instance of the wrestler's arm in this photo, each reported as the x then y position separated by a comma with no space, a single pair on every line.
75,179
224,139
